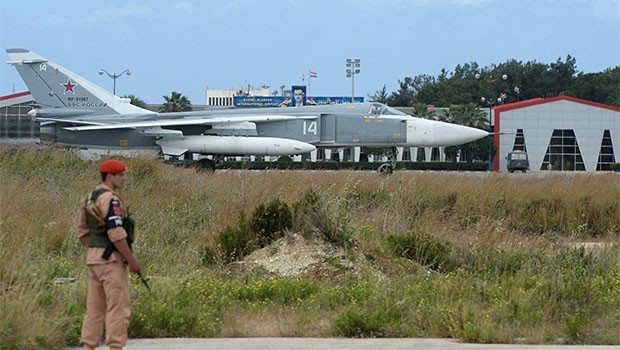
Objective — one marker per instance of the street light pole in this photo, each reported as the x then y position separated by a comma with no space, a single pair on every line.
490,103
353,65
114,76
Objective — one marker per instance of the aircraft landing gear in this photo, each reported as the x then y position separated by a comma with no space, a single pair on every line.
206,164
387,168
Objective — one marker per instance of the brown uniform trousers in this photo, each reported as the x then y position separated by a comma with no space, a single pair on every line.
108,306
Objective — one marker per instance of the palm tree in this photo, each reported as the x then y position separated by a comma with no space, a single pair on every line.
176,102
468,115
422,111
136,101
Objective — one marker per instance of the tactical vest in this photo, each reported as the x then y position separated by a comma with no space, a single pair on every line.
97,235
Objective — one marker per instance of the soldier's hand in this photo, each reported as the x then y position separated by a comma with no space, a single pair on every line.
134,266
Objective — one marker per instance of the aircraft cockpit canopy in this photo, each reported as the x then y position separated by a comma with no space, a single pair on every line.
381,109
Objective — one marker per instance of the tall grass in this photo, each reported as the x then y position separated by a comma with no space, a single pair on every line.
478,257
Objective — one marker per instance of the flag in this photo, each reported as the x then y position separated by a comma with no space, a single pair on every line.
313,74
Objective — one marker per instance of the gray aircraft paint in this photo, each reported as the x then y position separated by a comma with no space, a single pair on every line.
86,115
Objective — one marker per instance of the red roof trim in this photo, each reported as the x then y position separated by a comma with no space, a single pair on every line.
533,102
19,94
496,130
538,101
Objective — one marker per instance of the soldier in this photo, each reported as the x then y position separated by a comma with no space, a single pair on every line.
106,229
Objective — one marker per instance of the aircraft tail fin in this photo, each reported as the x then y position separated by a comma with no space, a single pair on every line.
53,86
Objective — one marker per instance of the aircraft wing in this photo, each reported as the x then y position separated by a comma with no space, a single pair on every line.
98,120
60,120
219,120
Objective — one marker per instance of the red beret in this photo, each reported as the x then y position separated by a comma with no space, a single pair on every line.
112,166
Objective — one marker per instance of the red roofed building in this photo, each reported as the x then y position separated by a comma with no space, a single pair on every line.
560,133
15,99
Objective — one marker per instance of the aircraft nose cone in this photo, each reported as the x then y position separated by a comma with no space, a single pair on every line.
470,134
453,134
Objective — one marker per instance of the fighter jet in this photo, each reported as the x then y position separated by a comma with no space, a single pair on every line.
89,117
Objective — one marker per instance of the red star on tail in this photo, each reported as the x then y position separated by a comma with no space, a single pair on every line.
69,86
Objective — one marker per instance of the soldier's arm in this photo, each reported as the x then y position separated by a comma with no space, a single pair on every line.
123,248
116,232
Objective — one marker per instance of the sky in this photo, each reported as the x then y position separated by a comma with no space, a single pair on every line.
191,45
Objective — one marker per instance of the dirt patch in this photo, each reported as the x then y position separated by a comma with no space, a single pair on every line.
306,258
293,255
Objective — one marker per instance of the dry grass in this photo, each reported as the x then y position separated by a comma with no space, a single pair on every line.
509,239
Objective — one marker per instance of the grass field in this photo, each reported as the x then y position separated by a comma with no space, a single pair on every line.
491,258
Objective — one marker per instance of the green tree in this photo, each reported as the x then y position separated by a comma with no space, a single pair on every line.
422,111
176,102
425,89
468,115
404,97
380,96
136,101
603,87
533,79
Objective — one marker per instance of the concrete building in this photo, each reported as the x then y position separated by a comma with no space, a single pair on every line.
16,125
225,97
561,133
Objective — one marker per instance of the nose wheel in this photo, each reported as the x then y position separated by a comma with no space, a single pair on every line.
387,168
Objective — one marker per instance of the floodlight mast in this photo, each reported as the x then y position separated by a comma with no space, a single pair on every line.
353,68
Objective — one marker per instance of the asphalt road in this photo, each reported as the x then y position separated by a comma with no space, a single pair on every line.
331,343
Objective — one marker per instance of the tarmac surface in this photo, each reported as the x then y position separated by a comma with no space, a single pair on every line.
331,343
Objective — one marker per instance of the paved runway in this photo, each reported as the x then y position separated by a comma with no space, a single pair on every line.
331,343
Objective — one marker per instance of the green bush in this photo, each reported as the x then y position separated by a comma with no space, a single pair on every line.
331,165
235,244
284,159
422,248
208,256
280,291
362,323
313,215
305,213
501,279
270,221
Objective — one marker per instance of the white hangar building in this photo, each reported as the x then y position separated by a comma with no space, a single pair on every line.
560,133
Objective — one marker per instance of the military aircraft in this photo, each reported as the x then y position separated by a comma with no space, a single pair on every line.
87,116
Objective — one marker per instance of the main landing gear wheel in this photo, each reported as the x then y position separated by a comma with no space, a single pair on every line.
385,169
206,165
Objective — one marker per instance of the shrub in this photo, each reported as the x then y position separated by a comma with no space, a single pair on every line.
284,159
270,221
312,215
279,291
234,244
421,248
208,256
363,323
